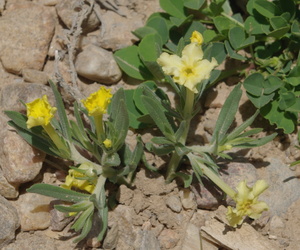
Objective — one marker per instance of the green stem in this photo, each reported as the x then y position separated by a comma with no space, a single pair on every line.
218,181
56,138
187,116
99,126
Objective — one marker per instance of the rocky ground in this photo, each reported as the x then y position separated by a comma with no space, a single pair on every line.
43,39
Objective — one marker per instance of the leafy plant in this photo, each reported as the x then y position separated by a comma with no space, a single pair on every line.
111,159
268,32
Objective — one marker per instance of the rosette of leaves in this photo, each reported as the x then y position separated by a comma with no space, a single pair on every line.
116,164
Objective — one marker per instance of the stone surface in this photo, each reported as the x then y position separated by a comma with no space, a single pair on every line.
6,189
282,184
67,13
26,30
35,76
192,238
187,198
117,30
146,240
125,195
34,211
173,202
9,221
12,94
97,64
168,238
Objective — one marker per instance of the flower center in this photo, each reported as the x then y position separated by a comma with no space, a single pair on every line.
188,71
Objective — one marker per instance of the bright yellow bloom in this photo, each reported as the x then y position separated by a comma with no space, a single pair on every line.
107,143
189,69
247,203
73,179
39,112
97,103
197,38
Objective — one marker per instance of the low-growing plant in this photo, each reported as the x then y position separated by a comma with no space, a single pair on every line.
266,39
98,151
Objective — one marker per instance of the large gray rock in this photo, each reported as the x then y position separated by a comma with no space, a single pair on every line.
26,31
6,189
97,64
9,222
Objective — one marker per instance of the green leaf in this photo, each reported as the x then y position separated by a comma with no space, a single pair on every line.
144,31
194,4
58,192
174,8
278,22
224,24
232,53
156,111
215,50
256,25
129,61
159,24
78,207
282,119
260,101
295,29
80,222
237,38
254,84
266,8
227,114
64,122
286,100
86,228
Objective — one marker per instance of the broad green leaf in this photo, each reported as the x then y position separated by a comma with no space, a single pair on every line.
232,53
129,61
174,8
282,119
215,50
211,36
254,84
236,37
286,100
295,107
295,29
159,24
266,8
271,84
58,192
256,26
223,24
278,22
278,33
144,31
262,100
194,4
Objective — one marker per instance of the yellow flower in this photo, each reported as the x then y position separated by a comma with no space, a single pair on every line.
107,143
39,112
247,203
97,103
75,179
189,69
197,38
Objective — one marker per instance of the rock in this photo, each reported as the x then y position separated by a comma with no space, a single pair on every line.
34,211
191,239
27,241
125,195
9,222
20,162
111,238
6,189
244,237
276,223
144,183
146,240
217,97
97,64
281,184
26,31
35,76
187,199
174,203
67,13
117,30
11,95
168,238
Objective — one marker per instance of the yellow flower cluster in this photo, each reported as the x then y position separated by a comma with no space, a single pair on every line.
247,203
75,179
39,112
190,69
97,103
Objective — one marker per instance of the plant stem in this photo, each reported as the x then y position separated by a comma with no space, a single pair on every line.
218,181
56,138
187,116
99,126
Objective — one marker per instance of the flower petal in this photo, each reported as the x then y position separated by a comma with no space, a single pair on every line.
170,63
233,217
259,187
